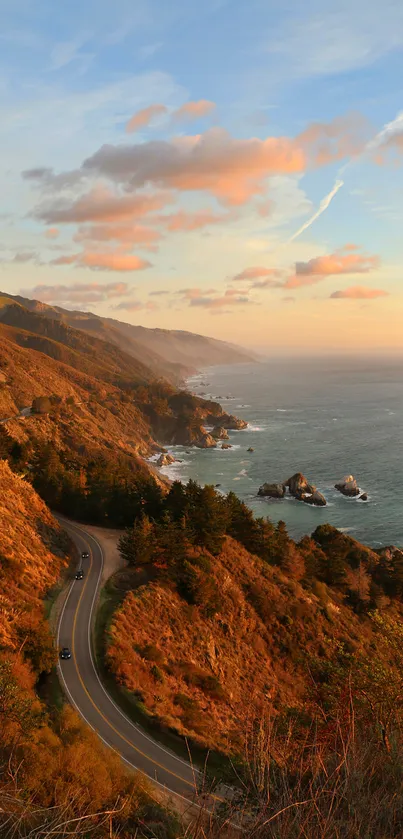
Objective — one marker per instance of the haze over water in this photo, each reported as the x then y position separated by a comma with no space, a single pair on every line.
326,418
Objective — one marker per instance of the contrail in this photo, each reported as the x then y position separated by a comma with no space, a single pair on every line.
321,209
388,131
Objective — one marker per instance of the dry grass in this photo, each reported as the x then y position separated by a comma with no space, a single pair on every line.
200,673
32,551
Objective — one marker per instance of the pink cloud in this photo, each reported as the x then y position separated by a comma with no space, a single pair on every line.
256,272
52,233
108,261
315,270
359,293
345,136
128,234
143,118
78,292
194,110
200,298
288,299
230,169
183,222
102,205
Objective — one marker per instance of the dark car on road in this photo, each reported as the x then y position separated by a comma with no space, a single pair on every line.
79,574
85,555
65,653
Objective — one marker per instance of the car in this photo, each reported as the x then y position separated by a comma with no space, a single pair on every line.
85,555
79,574
65,653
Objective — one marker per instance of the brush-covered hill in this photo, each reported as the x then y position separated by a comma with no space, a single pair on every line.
33,552
225,619
173,354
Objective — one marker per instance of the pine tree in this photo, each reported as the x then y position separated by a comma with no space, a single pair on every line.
138,543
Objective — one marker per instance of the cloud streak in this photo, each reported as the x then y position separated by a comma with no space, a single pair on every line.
143,118
359,293
78,293
103,261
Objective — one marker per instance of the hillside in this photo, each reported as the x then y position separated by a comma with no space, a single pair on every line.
33,551
173,354
54,771
224,619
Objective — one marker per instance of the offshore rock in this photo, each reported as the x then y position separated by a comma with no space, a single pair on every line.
272,491
348,486
317,499
298,486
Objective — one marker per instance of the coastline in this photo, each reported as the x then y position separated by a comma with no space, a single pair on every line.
326,422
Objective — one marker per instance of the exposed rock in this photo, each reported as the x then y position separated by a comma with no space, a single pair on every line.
229,421
205,441
226,446
250,449
348,486
298,486
317,499
218,485
219,433
363,497
165,460
272,491
190,434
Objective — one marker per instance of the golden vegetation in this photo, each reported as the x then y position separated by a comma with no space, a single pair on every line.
203,674
33,550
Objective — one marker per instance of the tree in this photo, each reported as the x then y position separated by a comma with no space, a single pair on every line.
207,517
41,405
138,544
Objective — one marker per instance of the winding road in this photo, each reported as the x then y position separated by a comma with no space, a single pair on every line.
84,689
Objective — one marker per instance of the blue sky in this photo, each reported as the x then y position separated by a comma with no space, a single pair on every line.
261,75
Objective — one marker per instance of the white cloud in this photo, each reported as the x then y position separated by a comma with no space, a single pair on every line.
323,38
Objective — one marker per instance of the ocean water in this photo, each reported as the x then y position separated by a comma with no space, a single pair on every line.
326,418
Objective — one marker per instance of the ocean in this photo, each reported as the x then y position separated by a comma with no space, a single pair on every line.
325,417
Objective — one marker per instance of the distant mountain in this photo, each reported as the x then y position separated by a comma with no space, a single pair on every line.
173,354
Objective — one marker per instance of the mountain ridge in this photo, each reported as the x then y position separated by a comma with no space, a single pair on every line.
175,354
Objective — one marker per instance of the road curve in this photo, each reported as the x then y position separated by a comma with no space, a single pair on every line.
85,691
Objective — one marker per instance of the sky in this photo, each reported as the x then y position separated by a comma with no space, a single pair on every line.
229,168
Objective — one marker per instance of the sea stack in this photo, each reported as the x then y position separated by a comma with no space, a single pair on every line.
348,486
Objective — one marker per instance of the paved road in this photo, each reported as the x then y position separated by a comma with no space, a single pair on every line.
85,691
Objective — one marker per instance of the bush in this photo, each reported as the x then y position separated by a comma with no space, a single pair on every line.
41,405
